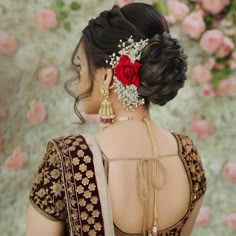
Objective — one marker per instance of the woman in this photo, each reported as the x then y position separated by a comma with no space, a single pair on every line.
133,177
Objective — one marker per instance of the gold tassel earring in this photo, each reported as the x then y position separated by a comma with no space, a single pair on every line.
106,113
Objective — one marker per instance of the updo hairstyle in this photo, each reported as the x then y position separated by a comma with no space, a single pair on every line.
164,66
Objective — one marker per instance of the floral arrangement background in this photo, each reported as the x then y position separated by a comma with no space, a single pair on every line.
36,42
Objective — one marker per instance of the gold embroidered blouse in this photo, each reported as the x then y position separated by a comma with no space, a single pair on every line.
48,196
197,181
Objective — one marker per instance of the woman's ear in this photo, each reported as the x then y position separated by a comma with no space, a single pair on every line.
108,78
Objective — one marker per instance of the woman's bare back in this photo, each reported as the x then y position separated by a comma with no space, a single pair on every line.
130,139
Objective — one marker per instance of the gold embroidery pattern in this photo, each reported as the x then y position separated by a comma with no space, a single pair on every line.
196,170
84,209
76,171
193,165
47,191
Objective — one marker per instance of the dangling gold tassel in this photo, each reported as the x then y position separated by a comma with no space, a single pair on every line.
154,228
106,113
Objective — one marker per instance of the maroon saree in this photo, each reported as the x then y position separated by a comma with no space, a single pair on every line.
71,186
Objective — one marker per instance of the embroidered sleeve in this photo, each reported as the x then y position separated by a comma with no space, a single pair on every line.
197,172
200,176
47,190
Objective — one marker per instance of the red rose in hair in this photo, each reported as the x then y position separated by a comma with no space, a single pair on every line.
127,72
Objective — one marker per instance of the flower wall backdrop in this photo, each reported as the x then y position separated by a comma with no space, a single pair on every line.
36,42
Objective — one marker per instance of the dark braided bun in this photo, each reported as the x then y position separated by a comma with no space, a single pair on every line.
163,69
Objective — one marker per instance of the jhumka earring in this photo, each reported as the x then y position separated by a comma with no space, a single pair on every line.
106,113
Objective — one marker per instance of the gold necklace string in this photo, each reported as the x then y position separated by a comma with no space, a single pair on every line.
126,118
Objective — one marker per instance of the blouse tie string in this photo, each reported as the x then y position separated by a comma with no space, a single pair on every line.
148,186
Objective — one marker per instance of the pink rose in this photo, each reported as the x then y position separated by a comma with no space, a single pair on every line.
170,19
223,87
227,86
212,40
201,74
218,66
231,64
193,25
203,217
7,43
3,113
201,127
122,3
48,76
210,63
225,48
17,160
230,221
46,19
177,9
214,6
1,142
36,113
229,173
208,91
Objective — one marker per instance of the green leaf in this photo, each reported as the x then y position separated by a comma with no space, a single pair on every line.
67,26
161,6
208,20
63,15
232,12
192,5
222,60
75,6
219,75
53,8
59,3
216,82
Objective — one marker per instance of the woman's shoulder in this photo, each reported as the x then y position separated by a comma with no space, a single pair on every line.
58,148
186,143
183,136
188,148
